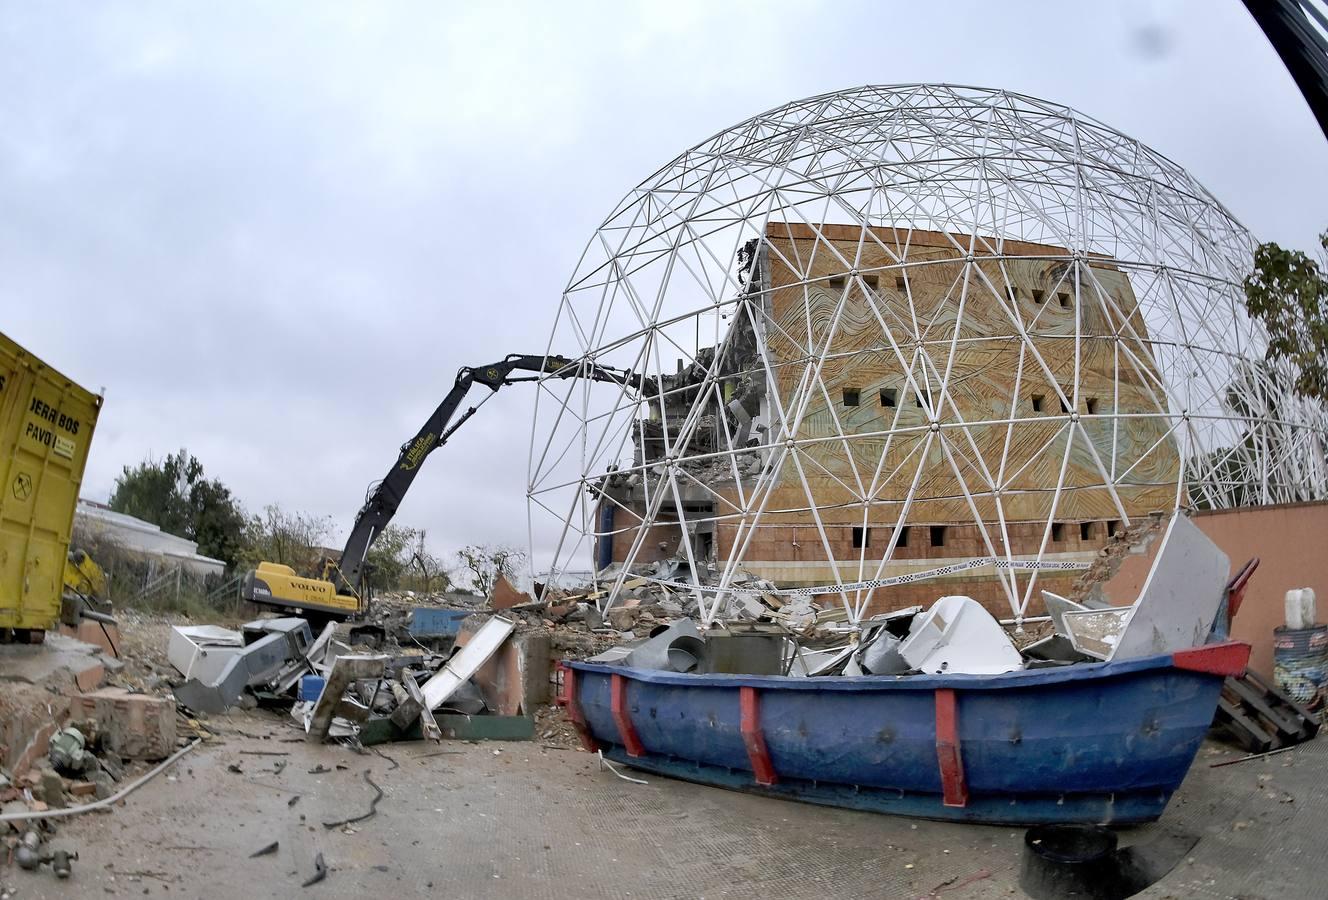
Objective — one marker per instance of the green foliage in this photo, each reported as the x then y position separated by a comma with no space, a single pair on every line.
175,495
1288,292
400,562
483,564
390,555
292,539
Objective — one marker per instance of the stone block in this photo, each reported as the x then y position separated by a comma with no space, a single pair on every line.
90,677
135,726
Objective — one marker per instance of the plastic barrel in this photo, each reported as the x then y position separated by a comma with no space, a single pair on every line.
1300,664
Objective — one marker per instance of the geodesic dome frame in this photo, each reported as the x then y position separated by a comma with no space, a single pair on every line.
955,245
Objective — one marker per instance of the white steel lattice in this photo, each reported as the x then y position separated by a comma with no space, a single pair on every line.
896,309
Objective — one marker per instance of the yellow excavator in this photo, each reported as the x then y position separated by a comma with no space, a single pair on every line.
340,589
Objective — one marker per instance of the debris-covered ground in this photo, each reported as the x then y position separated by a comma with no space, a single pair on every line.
515,819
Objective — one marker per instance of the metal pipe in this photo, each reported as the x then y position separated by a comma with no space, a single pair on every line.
101,804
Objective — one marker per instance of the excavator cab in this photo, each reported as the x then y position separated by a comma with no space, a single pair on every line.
273,584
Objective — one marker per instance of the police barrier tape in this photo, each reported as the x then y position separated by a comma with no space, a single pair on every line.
1017,564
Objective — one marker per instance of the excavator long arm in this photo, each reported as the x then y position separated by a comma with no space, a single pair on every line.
385,496
341,588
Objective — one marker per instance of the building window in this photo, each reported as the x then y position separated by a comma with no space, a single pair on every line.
1091,405
901,284
1064,299
861,537
837,283
1014,293
1037,402
851,396
1061,401
1057,532
1085,531
872,281
938,535
888,397
1038,295
903,537
1112,527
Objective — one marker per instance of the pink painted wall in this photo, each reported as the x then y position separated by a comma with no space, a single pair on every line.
1291,542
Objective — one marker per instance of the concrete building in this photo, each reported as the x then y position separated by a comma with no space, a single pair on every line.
144,539
893,469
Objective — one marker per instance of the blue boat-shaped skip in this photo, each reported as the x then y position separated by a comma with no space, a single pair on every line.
1094,742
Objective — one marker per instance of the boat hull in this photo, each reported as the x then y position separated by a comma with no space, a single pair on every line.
1099,742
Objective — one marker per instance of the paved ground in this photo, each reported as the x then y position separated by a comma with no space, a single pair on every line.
518,820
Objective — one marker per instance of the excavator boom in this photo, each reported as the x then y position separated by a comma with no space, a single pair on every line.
340,591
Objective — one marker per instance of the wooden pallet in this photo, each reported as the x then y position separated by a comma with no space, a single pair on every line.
1260,717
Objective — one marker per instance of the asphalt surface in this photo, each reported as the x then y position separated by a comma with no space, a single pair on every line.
519,820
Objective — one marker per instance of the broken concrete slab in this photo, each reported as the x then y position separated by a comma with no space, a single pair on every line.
133,726
505,595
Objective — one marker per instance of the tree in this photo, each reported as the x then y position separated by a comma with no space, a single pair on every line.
428,572
175,495
484,563
1288,292
291,539
389,556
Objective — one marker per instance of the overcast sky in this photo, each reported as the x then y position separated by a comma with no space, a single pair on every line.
272,232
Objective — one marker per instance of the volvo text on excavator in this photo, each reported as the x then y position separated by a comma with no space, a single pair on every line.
340,589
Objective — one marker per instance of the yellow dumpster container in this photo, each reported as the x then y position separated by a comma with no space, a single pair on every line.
46,425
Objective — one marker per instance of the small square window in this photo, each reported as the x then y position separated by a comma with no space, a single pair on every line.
1037,402
837,283
1064,300
1061,401
901,285
851,396
1013,292
888,397
1091,405
938,535
861,537
903,537
1057,532
1085,531
1038,295
1112,527
872,281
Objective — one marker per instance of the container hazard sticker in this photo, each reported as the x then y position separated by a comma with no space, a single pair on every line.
64,447
22,486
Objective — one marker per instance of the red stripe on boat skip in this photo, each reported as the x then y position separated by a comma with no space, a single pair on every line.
573,703
623,719
750,705
1226,658
953,787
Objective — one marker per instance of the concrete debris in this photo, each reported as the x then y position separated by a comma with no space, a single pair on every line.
132,726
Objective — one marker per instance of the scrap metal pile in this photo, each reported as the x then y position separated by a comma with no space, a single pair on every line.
1176,607
349,684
